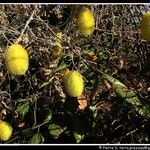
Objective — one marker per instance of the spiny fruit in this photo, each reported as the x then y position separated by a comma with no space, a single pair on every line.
73,83
57,50
85,21
5,131
145,26
16,59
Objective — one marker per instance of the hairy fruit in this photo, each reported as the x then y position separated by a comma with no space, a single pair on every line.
5,131
85,21
145,26
16,59
73,83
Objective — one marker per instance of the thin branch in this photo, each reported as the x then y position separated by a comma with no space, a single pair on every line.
35,119
26,25
48,28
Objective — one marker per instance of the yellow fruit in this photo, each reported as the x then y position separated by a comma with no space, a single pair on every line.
17,66
73,83
59,35
5,131
145,26
57,50
16,59
85,21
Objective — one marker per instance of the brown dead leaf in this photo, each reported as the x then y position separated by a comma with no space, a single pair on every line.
21,124
107,84
90,56
82,100
121,63
59,90
105,106
3,114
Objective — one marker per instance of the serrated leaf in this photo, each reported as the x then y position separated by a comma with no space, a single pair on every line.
22,109
78,137
55,130
128,95
123,91
114,81
37,139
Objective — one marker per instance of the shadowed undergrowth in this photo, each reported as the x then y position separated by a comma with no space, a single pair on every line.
36,104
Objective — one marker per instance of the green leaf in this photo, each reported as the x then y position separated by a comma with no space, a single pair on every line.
37,139
78,137
92,108
22,109
61,67
128,95
113,81
145,111
55,130
49,116
94,111
79,128
123,91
